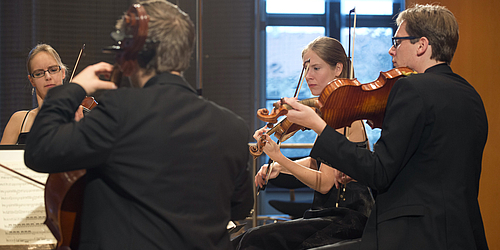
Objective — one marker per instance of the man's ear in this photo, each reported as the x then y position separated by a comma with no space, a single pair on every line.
423,46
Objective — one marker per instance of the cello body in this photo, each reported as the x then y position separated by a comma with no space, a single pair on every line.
63,207
64,191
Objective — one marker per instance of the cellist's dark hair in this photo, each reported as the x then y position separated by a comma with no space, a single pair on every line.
331,51
437,24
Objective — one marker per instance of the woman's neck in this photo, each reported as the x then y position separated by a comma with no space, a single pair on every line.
39,100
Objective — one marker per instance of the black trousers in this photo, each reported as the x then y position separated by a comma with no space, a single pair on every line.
304,233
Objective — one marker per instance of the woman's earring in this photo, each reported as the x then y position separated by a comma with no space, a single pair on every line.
33,91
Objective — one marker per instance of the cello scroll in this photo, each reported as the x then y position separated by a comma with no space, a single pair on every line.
129,42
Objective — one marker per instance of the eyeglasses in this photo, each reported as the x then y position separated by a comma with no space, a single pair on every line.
396,40
40,72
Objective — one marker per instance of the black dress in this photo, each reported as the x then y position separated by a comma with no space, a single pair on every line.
21,139
323,224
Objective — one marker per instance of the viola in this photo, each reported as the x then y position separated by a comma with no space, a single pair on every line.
345,101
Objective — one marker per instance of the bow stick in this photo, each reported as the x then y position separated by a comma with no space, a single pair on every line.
77,61
305,69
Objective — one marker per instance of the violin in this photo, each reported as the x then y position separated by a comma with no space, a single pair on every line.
88,103
284,129
64,191
345,101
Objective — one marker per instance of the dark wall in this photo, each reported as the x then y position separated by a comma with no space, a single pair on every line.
228,54
227,42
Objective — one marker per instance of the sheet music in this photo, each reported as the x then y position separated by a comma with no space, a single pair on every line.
22,209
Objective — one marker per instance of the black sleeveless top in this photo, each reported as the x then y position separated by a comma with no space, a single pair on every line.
357,197
21,139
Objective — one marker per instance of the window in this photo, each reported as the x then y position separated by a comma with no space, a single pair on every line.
291,25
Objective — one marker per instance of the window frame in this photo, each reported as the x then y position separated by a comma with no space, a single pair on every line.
331,20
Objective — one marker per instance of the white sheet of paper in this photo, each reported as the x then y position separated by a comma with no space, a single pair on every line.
22,209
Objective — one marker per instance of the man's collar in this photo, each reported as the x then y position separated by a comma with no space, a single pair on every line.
168,78
439,68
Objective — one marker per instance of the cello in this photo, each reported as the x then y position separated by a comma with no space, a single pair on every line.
64,191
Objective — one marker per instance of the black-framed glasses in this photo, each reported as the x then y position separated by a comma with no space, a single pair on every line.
40,72
397,40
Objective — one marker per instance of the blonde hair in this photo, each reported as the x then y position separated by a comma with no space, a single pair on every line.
44,48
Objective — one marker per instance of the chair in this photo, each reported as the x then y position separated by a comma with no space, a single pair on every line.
295,209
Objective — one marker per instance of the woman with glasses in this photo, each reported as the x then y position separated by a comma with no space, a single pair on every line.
45,71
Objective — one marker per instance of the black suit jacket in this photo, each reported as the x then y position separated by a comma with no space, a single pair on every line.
425,166
166,169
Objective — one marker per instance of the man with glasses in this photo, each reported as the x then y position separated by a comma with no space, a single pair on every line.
427,163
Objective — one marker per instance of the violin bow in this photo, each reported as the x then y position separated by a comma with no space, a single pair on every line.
302,77
305,68
341,190
77,61
351,47
269,169
22,175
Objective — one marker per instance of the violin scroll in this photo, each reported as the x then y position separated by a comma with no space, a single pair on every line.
283,131
272,117
281,109
257,150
